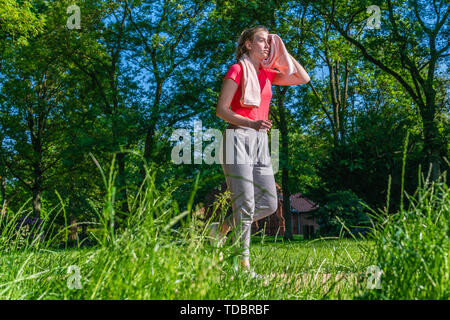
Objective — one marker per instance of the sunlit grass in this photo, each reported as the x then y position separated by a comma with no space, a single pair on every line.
162,253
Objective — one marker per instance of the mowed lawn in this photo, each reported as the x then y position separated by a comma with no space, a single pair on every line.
158,269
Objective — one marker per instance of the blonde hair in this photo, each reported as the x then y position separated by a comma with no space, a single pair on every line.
247,34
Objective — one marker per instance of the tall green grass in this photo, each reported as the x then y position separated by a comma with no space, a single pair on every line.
163,253
412,246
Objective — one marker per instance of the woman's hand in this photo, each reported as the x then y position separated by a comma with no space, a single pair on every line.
261,125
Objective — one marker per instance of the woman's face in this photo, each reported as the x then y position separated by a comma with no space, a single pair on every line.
259,47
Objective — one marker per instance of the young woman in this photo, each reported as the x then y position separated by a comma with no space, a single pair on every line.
252,184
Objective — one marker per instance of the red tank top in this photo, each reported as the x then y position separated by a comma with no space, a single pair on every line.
265,77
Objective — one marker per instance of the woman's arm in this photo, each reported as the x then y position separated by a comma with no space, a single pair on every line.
223,111
300,77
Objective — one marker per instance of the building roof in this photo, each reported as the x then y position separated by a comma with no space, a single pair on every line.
301,204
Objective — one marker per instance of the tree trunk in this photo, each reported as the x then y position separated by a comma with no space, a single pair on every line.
3,192
37,191
153,119
37,187
284,157
148,149
432,145
73,235
152,125
122,183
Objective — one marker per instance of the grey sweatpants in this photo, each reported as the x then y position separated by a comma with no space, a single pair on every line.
246,162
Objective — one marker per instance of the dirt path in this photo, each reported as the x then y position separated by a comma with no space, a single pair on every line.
314,280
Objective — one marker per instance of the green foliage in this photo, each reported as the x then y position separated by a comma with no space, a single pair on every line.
342,208
370,155
18,22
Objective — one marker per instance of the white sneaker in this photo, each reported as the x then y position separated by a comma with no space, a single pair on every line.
253,274
248,272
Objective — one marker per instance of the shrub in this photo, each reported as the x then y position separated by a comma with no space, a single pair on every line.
20,232
342,207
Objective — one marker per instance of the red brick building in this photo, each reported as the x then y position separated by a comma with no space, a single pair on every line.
302,221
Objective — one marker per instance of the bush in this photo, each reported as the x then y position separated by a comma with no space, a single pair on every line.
29,227
342,207
17,233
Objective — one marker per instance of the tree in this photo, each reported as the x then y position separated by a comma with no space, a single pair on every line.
97,53
31,102
17,24
416,33
163,45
